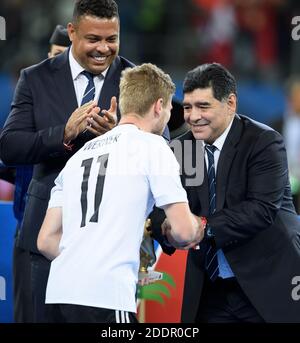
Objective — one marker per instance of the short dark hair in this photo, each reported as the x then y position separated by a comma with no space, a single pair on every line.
98,8
212,75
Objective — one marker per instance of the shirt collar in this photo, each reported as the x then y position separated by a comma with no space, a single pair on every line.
77,69
219,142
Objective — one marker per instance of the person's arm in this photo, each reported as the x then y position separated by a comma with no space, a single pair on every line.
183,229
51,230
157,218
23,141
20,142
170,196
50,233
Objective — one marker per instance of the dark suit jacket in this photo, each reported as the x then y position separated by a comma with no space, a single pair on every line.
255,223
33,133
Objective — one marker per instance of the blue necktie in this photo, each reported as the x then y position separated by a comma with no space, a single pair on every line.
211,260
89,93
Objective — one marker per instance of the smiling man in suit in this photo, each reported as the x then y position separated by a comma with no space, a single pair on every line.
245,268
56,109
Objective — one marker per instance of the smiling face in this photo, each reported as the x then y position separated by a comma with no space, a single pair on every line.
207,116
95,42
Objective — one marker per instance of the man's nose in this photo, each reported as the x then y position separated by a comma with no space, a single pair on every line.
194,116
102,47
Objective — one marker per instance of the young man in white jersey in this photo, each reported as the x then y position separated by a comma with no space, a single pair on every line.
95,219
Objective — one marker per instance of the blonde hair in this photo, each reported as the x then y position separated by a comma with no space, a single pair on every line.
141,86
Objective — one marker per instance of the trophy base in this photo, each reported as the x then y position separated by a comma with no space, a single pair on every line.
150,276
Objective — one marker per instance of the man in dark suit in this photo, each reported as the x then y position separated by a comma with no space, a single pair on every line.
23,309
50,118
245,269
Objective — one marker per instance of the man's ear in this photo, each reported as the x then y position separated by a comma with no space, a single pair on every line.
232,102
71,31
158,106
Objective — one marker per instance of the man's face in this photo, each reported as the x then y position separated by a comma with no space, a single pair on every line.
207,117
95,42
56,50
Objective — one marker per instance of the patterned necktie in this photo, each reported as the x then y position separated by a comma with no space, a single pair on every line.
89,92
211,260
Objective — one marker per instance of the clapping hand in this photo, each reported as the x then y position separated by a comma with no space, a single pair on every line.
100,124
78,120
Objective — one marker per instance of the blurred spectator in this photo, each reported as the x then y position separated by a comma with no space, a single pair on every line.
289,126
291,133
150,23
29,24
59,41
242,34
253,37
216,31
6,191
256,48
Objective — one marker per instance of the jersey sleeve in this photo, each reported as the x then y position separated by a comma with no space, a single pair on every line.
56,197
163,177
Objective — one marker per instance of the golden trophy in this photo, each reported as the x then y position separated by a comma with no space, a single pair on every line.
147,257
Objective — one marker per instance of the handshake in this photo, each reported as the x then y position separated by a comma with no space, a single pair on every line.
182,230
186,238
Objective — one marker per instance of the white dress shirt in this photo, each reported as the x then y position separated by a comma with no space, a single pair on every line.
80,81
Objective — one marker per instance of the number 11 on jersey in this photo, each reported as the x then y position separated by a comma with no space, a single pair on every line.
87,164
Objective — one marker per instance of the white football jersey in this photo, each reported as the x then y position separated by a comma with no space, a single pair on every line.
107,190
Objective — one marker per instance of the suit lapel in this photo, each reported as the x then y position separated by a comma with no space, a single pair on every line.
64,83
226,158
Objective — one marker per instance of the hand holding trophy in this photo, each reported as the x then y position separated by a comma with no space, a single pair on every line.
147,258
